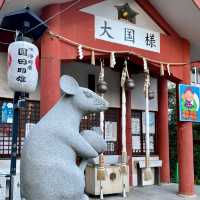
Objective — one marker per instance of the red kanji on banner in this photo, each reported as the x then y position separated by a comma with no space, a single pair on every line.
37,63
9,60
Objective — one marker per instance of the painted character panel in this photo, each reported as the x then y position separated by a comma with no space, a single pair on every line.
189,103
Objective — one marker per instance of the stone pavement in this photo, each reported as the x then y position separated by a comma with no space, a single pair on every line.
164,192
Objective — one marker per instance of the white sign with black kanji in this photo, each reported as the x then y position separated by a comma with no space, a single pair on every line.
23,64
127,34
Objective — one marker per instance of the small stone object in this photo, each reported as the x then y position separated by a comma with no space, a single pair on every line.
48,162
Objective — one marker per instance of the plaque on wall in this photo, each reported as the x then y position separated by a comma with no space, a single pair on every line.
189,106
151,122
110,146
136,145
135,124
110,131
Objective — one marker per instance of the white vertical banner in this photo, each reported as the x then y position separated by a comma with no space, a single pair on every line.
127,34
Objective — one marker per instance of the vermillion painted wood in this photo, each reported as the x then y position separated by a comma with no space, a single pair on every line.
163,133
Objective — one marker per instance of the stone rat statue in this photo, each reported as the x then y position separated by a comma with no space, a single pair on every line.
48,161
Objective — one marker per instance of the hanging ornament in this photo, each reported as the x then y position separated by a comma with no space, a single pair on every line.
102,86
80,52
168,69
162,72
129,84
151,94
92,58
125,78
112,60
101,169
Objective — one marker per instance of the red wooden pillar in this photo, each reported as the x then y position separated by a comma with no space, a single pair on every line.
50,63
185,159
49,84
129,133
163,133
185,142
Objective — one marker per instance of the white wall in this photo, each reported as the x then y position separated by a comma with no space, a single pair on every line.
4,89
107,9
138,98
80,72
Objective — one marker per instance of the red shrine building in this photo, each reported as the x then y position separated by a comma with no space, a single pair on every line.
84,34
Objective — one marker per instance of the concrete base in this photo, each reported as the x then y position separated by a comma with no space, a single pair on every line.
187,196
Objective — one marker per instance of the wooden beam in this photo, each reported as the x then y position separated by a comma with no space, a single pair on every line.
196,64
157,17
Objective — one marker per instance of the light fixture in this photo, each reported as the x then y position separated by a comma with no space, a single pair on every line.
25,21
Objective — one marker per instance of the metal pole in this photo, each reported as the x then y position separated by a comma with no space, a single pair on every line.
102,129
15,130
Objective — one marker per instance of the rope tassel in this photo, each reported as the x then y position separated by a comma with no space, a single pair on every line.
101,169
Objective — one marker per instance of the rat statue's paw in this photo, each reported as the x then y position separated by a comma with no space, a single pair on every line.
95,140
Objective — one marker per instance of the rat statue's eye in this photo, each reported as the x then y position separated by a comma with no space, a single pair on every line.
87,94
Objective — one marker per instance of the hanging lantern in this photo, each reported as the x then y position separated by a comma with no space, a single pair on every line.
102,86
129,84
151,94
23,64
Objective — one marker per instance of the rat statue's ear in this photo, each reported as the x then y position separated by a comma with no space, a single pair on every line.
68,85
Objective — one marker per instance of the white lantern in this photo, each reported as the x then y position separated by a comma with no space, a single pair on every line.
23,64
